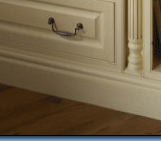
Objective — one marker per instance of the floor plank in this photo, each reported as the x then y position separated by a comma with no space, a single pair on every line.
24,112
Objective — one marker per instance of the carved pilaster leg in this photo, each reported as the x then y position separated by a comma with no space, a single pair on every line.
135,61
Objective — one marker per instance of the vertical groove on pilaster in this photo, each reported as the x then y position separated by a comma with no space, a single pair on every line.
135,61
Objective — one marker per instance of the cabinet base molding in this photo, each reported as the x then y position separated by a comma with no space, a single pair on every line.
105,92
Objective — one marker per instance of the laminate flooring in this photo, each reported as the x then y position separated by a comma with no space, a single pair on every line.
23,112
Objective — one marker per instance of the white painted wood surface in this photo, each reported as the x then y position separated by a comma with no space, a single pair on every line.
99,41
96,68
109,92
135,61
36,15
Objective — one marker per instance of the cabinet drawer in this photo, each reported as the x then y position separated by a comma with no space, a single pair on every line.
36,15
24,22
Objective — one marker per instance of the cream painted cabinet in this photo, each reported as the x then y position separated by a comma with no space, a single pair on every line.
24,27
107,62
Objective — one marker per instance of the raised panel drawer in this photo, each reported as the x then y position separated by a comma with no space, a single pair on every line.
24,24
36,15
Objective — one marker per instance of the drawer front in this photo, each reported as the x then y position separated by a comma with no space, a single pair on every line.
24,23
36,15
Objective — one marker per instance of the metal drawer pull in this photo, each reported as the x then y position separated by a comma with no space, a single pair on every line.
63,33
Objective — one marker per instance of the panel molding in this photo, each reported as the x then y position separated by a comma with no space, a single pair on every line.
102,47
109,93
93,85
43,61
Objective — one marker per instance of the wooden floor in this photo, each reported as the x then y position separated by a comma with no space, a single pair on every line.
23,112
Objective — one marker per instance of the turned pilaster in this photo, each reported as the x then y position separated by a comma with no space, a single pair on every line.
135,61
